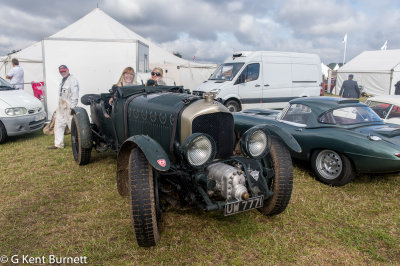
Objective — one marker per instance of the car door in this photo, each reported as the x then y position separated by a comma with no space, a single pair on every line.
294,118
248,85
277,83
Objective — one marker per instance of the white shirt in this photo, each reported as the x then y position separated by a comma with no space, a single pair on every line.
17,77
69,93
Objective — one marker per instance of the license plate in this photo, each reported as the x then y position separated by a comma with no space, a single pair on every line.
244,205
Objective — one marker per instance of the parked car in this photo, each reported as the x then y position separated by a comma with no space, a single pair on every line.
264,79
338,136
387,107
20,112
178,149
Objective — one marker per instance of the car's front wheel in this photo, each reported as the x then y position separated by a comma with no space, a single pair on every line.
81,139
281,183
3,133
143,193
332,168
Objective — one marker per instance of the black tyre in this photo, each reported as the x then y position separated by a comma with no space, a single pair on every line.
81,140
3,133
281,183
144,199
332,168
233,106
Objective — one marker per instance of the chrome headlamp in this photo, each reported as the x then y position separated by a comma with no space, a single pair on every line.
199,149
255,142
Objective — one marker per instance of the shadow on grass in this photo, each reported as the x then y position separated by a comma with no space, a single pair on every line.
25,137
376,178
360,178
97,157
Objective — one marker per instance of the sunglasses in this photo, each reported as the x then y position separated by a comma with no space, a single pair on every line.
156,74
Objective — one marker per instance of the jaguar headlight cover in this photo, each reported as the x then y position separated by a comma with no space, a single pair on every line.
199,149
254,143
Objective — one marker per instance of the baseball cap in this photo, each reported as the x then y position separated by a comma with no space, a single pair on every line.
351,75
62,68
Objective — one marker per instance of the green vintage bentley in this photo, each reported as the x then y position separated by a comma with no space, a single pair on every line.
183,150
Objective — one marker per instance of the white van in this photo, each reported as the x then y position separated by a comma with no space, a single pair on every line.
264,79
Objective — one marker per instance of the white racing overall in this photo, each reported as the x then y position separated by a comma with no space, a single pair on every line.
69,94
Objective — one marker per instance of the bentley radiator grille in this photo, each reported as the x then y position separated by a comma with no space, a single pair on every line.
220,127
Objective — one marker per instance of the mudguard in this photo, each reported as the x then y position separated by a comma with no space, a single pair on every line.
285,136
152,150
244,121
84,125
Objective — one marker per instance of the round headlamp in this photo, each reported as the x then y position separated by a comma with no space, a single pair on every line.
254,143
199,149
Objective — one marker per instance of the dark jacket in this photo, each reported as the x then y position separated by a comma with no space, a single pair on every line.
350,89
397,86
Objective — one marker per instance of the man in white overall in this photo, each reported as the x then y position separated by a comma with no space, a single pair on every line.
69,94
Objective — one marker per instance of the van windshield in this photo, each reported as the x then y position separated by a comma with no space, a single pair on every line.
226,71
4,85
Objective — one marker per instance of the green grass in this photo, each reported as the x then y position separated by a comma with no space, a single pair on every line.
50,205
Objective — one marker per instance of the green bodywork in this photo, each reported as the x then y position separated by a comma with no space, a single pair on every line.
154,153
244,122
138,113
351,140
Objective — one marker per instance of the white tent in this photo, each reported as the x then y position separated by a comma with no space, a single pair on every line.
336,67
325,70
376,71
30,59
96,49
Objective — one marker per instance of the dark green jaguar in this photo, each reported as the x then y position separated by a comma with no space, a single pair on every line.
182,150
340,137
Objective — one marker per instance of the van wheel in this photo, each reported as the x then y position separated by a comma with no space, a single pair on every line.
3,133
233,106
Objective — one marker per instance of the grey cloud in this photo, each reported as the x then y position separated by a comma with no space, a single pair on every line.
212,30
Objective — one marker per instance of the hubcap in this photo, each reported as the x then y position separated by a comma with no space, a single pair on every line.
231,108
329,164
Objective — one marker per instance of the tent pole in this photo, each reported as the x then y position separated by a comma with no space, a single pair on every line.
45,81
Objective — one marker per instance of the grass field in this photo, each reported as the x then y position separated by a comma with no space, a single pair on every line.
51,206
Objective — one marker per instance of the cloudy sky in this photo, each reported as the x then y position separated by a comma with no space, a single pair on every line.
212,29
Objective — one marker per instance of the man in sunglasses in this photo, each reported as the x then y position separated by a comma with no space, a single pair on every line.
68,99
157,75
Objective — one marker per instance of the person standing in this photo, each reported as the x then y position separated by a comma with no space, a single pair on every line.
397,88
350,88
16,75
69,94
